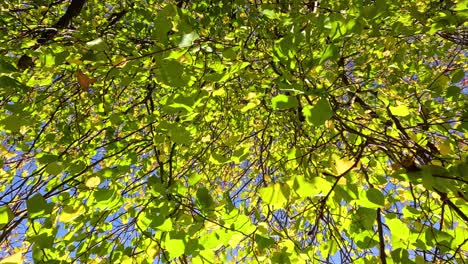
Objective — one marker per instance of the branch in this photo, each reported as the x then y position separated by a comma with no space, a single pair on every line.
444,198
383,257
72,11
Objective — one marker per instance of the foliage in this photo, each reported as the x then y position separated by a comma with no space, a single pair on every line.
249,131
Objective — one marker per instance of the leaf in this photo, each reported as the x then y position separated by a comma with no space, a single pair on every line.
458,75
166,225
105,199
180,135
342,165
363,219
84,81
16,258
401,110
12,123
172,73
282,102
6,67
175,247
6,215
93,182
319,113
37,206
69,213
97,44
204,197
270,13
309,188
188,39
399,231
376,197
276,194
54,168
330,52
9,84
264,242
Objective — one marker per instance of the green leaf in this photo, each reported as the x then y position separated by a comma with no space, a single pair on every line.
399,231
204,197
331,52
37,206
363,219
319,113
458,75
54,168
180,135
105,199
69,213
6,67
172,73
12,123
264,242
376,197
175,247
308,188
9,84
282,102
6,215
166,225
270,13
276,194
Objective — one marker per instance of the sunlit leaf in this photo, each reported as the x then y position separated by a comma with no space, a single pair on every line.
401,110
281,102
276,194
6,215
16,258
319,113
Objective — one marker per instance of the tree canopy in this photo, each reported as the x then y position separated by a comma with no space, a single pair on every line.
250,131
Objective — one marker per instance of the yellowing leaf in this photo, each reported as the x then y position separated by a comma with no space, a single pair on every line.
401,110
93,182
444,147
13,259
342,165
69,213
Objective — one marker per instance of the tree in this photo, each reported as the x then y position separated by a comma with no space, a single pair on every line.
242,131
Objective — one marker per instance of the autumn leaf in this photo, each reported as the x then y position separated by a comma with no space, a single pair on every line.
83,80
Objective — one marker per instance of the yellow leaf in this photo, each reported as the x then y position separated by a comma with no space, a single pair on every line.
342,165
120,61
69,213
93,182
401,110
13,259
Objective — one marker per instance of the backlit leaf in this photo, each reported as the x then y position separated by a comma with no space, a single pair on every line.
401,110
319,113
